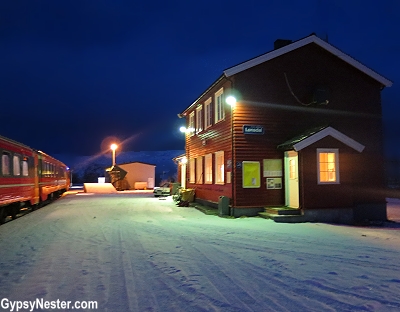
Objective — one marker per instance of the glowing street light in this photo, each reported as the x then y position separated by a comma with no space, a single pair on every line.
113,148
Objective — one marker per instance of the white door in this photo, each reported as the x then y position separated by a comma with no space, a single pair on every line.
291,179
183,175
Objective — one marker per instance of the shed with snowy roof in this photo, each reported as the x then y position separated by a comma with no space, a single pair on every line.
139,175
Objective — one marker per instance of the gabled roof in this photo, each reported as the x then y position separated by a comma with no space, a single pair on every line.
300,43
314,135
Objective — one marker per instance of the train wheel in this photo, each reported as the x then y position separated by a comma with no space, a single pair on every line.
14,213
3,215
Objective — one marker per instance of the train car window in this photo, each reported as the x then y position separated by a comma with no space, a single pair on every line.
5,163
46,169
25,167
16,165
43,168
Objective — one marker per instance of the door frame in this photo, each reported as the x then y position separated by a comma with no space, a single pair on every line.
291,179
183,175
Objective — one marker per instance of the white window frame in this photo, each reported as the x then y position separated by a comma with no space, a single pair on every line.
199,118
219,168
208,169
219,105
208,113
192,170
191,124
336,165
199,170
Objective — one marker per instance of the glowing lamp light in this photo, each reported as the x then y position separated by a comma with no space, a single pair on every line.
184,160
186,130
113,148
230,100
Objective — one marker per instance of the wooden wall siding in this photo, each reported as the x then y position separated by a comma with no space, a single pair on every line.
314,195
354,109
252,147
215,138
307,68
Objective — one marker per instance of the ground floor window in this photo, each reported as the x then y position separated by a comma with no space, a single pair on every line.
192,170
199,170
328,166
208,169
219,168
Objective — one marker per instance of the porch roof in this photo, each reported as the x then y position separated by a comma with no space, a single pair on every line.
315,134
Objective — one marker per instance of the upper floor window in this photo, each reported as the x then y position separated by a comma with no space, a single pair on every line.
207,113
199,119
328,166
219,168
219,105
191,123
5,163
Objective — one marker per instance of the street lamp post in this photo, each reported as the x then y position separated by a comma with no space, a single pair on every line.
113,148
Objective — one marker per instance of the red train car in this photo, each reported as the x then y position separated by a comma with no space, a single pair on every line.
28,178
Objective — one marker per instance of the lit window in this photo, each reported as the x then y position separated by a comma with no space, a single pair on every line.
219,105
199,119
191,123
208,169
5,163
16,165
192,170
208,113
219,168
199,170
328,166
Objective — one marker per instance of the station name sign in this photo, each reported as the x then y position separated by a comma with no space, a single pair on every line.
253,129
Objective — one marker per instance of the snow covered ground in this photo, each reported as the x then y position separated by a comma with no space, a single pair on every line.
134,252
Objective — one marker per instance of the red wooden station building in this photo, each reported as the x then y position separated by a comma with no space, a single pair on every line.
303,130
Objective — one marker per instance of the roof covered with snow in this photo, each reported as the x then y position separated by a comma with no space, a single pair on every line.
315,134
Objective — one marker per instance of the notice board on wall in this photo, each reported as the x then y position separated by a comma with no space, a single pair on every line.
251,174
272,167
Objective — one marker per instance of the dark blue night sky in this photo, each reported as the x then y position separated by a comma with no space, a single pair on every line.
73,73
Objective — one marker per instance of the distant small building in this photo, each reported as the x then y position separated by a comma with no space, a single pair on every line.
139,175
